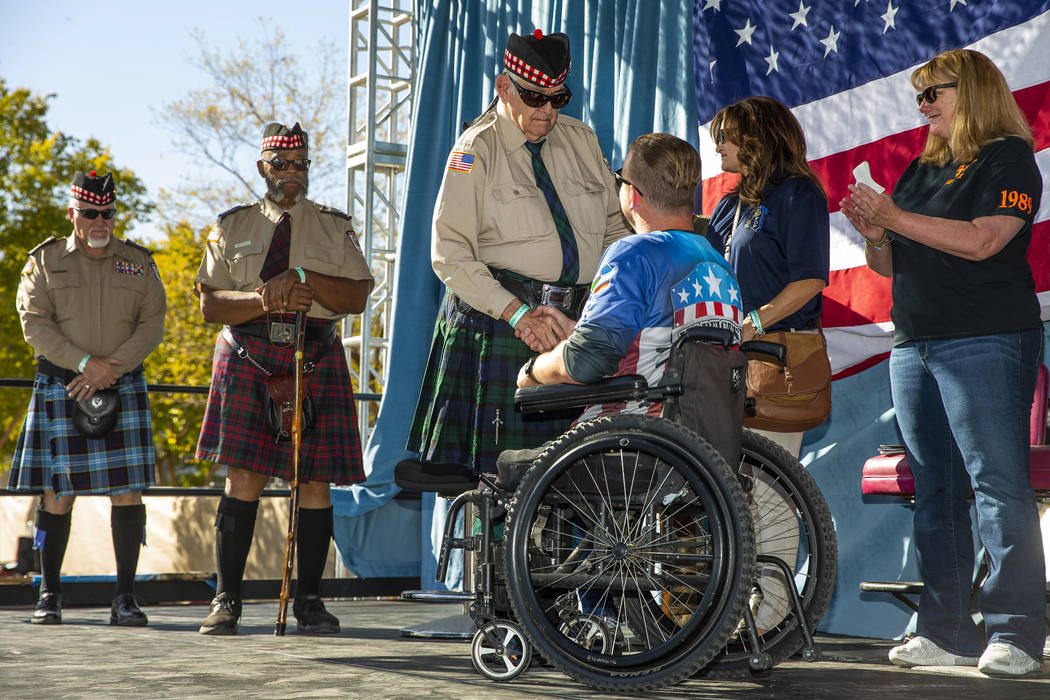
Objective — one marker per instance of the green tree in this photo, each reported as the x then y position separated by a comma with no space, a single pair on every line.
36,167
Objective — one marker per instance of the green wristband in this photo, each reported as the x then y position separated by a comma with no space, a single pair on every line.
522,310
302,275
83,363
757,323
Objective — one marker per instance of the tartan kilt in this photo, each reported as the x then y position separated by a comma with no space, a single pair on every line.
234,430
465,413
52,455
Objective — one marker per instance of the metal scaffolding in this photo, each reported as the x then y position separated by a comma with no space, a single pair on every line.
379,111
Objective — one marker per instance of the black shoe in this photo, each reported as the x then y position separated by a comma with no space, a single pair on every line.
125,612
312,617
225,611
48,610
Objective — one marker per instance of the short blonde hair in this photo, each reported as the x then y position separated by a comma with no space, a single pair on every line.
985,109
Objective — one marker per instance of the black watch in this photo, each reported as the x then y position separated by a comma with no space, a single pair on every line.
528,369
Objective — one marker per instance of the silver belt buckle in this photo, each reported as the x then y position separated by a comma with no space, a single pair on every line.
282,333
559,297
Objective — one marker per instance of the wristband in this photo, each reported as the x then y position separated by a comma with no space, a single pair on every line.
882,241
528,369
757,323
302,275
83,363
522,310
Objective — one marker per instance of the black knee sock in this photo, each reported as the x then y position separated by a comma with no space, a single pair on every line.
53,530
311,543
234,527
128,524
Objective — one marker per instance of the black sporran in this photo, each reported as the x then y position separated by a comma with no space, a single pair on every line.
280,406
96,416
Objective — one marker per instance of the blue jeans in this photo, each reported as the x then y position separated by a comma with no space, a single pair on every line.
963,407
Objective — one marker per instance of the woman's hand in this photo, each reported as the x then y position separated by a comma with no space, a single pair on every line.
865,209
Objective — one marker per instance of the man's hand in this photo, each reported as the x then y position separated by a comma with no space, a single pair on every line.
99,373
285,293
543,328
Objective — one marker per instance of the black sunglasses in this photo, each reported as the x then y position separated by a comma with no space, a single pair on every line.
94,213
930,93
283,163
621,181
538,99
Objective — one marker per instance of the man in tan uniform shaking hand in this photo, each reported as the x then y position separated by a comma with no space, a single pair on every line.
526,207
92,307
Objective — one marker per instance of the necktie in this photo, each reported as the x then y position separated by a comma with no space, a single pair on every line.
277,256
570,254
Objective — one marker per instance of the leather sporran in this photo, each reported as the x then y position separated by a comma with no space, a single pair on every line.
794,397
280,406
96,416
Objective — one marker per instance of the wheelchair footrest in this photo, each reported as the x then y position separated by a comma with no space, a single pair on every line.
437,596
906,587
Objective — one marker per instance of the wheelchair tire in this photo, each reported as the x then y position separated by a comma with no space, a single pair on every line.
629,505
793,508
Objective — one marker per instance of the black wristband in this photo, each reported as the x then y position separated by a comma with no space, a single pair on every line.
528,369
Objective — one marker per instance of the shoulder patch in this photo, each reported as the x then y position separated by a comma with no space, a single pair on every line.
29,267
461,161
138,246
333,211
353,240
48,242
215,234
236,208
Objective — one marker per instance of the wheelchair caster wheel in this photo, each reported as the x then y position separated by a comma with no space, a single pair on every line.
812,653
760,662
500,651
589,632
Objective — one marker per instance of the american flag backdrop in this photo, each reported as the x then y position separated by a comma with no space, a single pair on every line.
843,67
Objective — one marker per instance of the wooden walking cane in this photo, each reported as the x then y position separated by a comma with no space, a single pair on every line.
293,502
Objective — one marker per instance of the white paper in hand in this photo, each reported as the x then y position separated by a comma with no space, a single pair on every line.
862,174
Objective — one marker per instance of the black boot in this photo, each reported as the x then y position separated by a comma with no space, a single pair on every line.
223,617
48,610
125,612
313,539
311,616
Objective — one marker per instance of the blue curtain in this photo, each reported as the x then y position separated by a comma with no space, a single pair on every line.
631,74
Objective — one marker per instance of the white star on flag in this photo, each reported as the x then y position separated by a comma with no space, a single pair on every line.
800,16
771,59
745,33
888,16
831,41
714,283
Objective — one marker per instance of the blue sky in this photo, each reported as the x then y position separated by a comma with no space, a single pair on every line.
110,62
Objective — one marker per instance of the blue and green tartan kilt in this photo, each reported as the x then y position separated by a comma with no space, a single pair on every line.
465,413
52,455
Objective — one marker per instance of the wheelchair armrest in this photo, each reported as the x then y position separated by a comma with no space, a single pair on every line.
703,334
765,351
556,397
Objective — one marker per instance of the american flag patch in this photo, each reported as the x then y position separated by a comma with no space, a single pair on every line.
28,267
129,268
709,296
461,161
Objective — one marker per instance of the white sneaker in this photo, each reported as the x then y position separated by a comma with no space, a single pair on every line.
1002,659
920,651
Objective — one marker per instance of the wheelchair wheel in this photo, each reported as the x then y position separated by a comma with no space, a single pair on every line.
499,651
622,508
792,523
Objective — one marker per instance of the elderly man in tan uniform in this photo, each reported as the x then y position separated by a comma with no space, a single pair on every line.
92,307
265,263
527,206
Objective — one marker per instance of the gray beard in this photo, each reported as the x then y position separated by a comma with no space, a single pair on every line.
274,191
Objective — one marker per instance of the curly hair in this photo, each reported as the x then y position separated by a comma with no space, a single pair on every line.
770,141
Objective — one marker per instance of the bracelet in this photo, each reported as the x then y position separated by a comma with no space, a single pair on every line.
528,369
757,323
522,310
83,363
882,241
302,275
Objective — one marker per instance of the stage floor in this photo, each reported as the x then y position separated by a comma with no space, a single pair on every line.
87,658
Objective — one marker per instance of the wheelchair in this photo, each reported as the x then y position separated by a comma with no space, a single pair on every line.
628,553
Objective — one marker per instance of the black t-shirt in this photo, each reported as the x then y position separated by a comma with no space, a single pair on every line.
939,295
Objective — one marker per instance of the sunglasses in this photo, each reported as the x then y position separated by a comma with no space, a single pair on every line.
621,181
538,99
283,164
930,93
94,213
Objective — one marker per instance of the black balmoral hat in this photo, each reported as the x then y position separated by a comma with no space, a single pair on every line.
278,136
92,188
541,60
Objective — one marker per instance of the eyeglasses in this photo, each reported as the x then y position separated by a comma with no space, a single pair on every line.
720,137
621,181
538,99
94,213
283,164
930,93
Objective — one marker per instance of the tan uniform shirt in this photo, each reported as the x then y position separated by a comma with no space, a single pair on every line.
323,240
73,305
496,215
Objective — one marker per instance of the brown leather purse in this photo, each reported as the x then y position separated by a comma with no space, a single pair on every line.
794,397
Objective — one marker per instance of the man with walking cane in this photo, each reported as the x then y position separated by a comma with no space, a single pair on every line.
265,264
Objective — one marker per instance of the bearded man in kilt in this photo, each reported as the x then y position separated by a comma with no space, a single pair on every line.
526,207
264,262
92,307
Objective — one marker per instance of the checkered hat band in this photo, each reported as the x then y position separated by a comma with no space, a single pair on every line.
99,199
533,75
293,141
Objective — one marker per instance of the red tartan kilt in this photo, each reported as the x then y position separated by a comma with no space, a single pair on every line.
234,431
